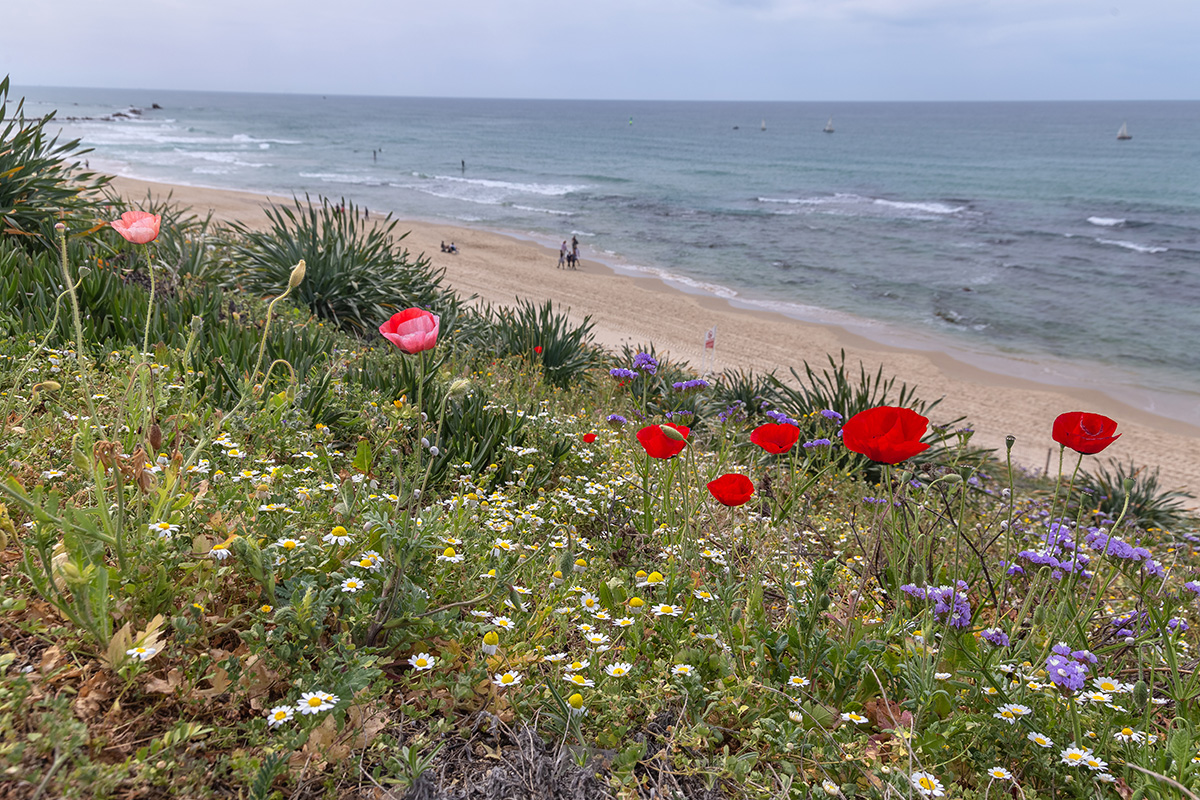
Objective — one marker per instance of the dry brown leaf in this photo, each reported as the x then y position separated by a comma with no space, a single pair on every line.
51,659
365,723
94,694
219,679
168,685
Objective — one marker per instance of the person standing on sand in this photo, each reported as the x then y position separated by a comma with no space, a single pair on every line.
562,255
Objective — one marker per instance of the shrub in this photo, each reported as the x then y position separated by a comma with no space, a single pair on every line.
567,350
356,274
1150,505
836,390
41,179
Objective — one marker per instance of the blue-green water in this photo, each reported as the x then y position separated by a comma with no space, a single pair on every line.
1023,229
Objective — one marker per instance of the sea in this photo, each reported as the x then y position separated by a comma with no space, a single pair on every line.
1022,237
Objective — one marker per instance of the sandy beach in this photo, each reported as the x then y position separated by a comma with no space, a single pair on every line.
499,268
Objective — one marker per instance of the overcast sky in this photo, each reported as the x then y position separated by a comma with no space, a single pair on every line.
621,49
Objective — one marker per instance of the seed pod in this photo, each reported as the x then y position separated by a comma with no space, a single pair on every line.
155,437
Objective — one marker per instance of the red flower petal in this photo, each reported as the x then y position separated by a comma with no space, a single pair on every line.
1084,432
658,444
413,330
731,489
775,438
886,434
588,438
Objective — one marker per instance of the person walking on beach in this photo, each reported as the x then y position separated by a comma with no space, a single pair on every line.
562,255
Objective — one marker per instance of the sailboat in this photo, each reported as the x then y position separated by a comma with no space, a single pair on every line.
764,124
1124,133
829,126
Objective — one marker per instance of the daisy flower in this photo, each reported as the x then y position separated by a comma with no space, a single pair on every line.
927,785
999,774
449,555
798,682
667,610
623,622
1041,740
619,669
554,658
700,594
351,585
1129,735
575,666
942,676
1094,764
219,551
316,702
590,601
653,579
490,642
279,715
575,702
164,529
140,653
579,679
287,543
857,719
796,716
1074,756
506,679
503,623
422,661
682,669
338,536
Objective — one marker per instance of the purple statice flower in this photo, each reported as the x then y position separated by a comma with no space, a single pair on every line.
1066,674
646,363
620,373
687,386
782,418
831,414
916,484
1193,587
682,414
1176,625
616,420
996,637
1085,655
950,602
1016,569
817,443
735,412
878,501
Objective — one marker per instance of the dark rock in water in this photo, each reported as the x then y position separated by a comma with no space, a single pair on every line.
968,289
156,106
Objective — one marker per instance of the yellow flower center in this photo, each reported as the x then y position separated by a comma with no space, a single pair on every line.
314,702
1127,731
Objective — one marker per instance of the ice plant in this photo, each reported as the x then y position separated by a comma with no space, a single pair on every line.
663,441
413,330
1083,432
886,434
731,489
775,438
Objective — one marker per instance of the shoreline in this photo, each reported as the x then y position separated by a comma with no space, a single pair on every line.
498,267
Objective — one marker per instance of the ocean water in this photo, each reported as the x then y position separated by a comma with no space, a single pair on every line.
1023,235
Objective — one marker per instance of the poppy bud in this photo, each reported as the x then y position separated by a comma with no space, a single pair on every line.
672,434
155,437
297,275
459,387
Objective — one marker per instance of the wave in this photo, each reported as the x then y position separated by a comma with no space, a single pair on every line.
340,177
1106,222
545,211
243,137
847,203
581,233
548,189
1140,248
219,157
673,277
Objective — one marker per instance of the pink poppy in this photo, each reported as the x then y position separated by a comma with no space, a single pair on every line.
138,227
413,330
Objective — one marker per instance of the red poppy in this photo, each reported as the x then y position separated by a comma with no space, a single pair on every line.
588,438
1085,433
413,330
538,349
659,443
886,434
139,227
731,489
775,438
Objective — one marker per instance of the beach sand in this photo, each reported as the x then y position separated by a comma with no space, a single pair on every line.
631,310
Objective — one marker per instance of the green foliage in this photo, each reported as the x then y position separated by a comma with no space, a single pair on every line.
41,179
356,276
1150,505
567,349
735,386
836,390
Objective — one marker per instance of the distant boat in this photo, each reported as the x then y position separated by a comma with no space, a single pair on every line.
764,124
829,126
1123,133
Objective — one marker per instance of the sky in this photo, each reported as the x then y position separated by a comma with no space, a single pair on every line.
617,49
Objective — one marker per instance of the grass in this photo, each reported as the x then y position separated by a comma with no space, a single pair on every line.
443,574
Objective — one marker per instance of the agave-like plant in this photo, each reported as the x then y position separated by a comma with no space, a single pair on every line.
357,273
1150,504
42,180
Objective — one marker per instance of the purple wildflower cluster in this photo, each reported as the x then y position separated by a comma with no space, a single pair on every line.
995,637
683,415
1193,587
620,373
1058,552
688,386
950,602
781,418
1068,669
1115,546
646,363
817,443
831,414
616,420
735,413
